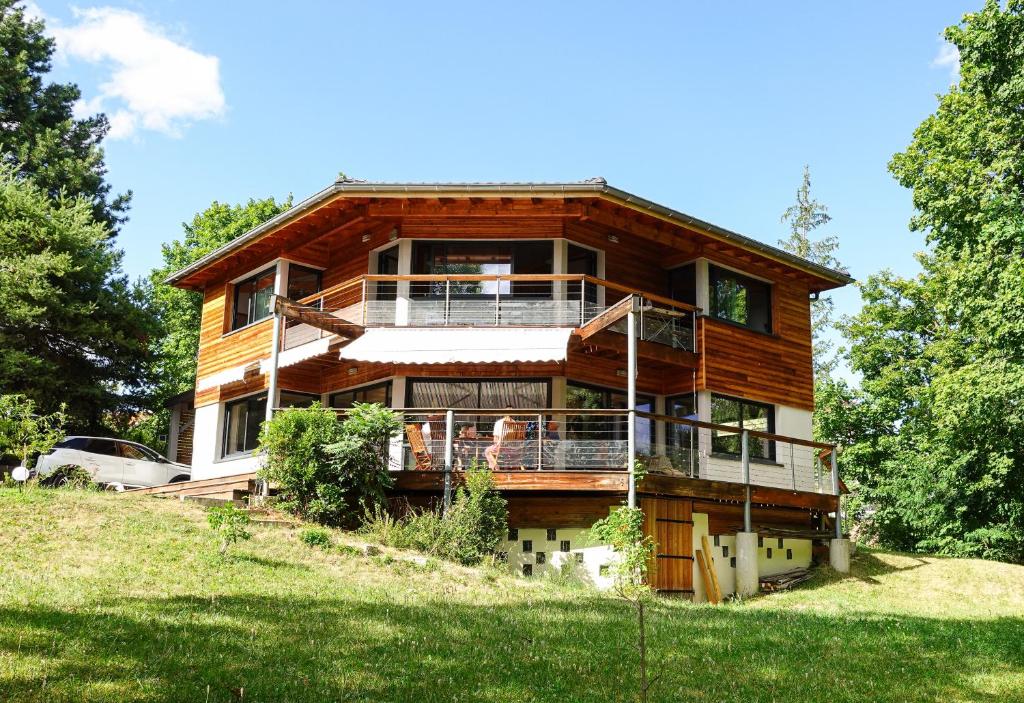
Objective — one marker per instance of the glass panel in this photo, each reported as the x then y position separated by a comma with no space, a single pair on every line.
725,411
387,265
758,417
582,261
105,447
533,258
682,284
740,299
302,282
130,451
290,399
242,420
612,427
252,298
379,393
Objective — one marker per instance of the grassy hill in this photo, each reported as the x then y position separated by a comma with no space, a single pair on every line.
116,598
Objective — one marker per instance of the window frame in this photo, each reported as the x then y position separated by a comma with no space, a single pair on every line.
642,399
228,405
745,280
305,269
716,447
409,382
233,327
388,385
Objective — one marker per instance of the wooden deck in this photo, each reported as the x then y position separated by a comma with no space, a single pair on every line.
221,487
615,482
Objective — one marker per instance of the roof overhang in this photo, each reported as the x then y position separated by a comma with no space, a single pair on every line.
586,189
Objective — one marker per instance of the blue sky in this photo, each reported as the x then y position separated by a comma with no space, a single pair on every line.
710,108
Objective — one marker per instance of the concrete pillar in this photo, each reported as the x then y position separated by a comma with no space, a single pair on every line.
839,555
746,563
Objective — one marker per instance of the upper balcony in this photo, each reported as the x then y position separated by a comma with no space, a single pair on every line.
589,305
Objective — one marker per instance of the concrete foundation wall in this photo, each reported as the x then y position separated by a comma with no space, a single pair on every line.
571,548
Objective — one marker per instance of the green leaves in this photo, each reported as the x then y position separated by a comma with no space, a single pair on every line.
24,432
935,440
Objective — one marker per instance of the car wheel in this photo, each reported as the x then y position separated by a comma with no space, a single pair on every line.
179,478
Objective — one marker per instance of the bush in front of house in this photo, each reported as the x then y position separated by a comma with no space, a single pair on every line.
328,471
470,531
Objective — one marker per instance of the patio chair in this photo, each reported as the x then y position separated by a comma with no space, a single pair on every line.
418,445
508,448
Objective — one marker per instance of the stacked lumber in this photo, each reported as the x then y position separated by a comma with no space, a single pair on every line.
706,562
784,581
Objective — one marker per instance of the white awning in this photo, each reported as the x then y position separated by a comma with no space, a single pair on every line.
441,345
222,378
299,353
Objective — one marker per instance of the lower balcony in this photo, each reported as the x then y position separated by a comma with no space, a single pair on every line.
588,450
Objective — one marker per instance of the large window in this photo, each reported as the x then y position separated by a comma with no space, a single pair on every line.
387,265
491,258
743,415
740,299
488,394
582,261
583,426
377,393
252,298
303,282
682,284
242,419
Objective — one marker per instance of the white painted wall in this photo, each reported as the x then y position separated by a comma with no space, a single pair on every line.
206,447
722,553
584,556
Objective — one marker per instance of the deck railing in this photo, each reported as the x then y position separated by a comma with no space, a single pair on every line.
573,439
493,300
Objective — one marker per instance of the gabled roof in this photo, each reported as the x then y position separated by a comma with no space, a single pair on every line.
593,187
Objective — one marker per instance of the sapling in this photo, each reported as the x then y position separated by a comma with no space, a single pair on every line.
230,523
623,531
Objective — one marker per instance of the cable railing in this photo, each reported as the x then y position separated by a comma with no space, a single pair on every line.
579,440
492,300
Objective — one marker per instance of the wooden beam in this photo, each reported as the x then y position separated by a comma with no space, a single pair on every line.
652,351
313,316
606,318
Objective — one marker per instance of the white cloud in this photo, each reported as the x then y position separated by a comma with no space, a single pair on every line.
155,83
948,58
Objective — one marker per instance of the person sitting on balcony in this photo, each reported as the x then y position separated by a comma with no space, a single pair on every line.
467,450
491,453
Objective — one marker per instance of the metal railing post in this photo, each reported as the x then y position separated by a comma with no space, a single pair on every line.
363,307
583,297
447,300
745,458
631,372
497,301
836,489
449,429
540,442
792,464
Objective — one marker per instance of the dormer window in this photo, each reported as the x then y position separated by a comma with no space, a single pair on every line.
252,298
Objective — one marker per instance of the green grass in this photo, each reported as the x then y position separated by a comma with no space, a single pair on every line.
117,598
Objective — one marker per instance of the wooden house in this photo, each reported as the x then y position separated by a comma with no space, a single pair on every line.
567,334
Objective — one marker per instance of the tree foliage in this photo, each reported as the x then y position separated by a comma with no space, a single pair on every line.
73,331
935,438
24,432
39,136
803,217
180,311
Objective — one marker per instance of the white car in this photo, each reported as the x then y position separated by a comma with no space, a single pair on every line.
113,462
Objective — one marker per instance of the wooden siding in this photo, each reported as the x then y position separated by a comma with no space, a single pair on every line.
770,368
774,368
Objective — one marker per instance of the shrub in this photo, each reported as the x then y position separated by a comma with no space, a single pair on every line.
471,530
326,471
230,523
316,537
73,477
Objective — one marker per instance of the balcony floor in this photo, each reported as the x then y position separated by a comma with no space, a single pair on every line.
615,482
